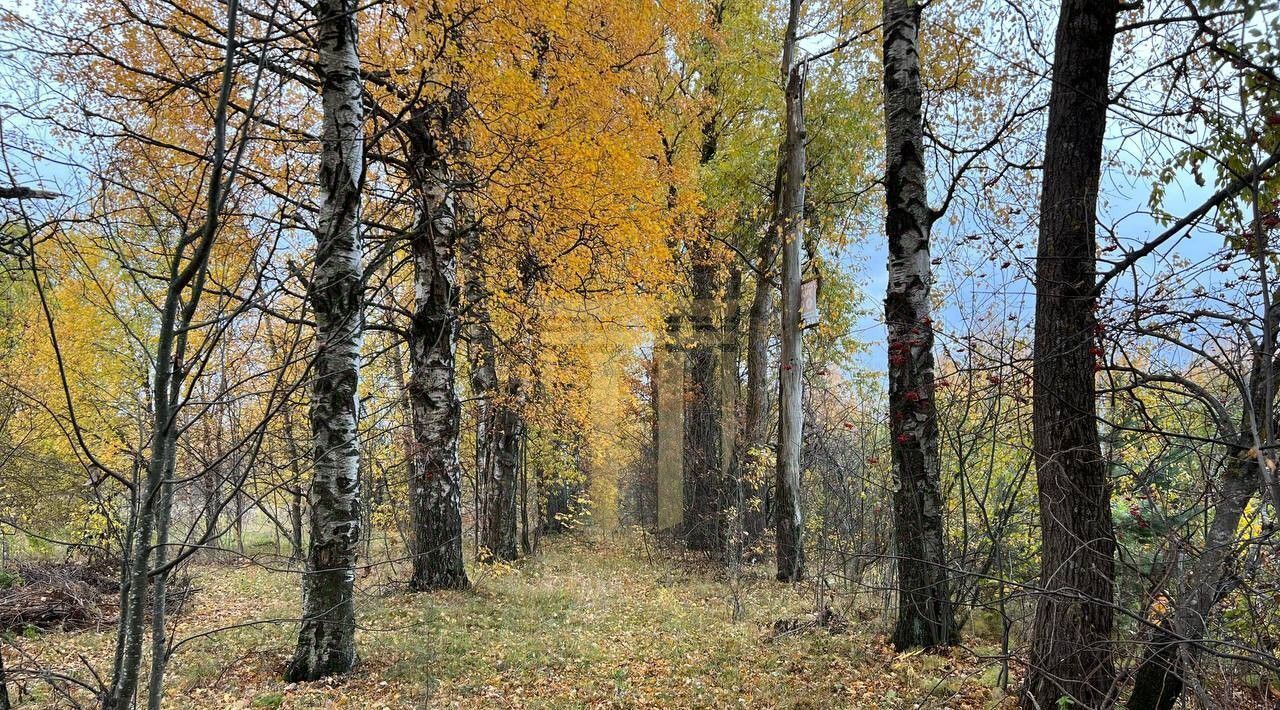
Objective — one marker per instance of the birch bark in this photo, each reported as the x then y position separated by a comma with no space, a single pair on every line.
326,640
788,514
435,491
924,607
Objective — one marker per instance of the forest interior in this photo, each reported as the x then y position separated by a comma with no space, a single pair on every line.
640,353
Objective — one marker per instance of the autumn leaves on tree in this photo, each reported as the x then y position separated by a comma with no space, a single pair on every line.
412,286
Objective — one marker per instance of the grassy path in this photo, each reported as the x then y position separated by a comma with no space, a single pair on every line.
586,623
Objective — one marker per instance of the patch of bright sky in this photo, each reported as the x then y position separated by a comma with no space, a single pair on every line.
975,283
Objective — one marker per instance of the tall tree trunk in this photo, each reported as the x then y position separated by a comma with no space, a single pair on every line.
1071,651
406,409
296,494
647,490
295,523
559,496
788,516
326,640
924,606
703,473
498,434
160,588
703,488
213,479
239,501
668,411
734,497
484,385
755,429
134,596
436,491
188,269
504,447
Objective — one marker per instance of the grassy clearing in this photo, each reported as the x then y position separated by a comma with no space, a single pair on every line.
589,622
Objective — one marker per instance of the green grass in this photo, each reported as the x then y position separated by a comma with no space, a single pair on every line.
588,622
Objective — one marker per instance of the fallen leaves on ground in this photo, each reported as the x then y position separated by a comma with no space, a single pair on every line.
584,624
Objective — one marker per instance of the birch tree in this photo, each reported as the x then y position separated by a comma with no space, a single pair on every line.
435,492
924,605
788,515
326,639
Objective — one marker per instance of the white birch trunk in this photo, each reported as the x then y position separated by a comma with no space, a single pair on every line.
326,642
924,605
435,492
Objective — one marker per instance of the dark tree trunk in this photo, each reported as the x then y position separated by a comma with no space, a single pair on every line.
504,448
213,481
1071,650
788,516
924,605
558,510
703,474
646,485
435,493
295,524
187,274
296,493
734,496
499,424
326,640
755,429
239,501
160,587
484,391
703,492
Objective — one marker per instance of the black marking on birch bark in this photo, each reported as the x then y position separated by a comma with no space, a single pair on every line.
924,604
326,643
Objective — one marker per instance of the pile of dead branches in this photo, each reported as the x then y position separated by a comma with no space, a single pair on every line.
71,596
825,619
103,576
64,603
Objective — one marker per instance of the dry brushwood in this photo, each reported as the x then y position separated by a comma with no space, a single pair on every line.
72,596
103,575
824,618
62,603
